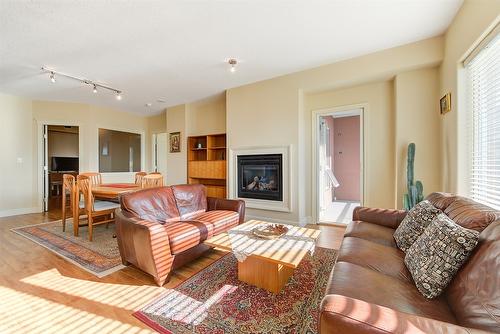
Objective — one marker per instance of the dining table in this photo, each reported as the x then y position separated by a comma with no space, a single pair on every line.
107,192
113,191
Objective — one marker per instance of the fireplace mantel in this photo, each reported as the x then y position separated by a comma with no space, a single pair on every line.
272,205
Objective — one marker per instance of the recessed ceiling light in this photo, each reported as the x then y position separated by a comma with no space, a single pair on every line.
148,105
161,100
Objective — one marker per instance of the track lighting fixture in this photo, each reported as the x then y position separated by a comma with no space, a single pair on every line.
232,62
94,85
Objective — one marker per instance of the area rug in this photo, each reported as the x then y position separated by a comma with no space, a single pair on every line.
214,301
100,257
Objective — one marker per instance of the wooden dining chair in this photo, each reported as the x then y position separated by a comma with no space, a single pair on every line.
71,194
152,181
139,176
154,173
94,177
98,212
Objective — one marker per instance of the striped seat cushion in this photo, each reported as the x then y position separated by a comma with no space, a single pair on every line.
222,220
187,234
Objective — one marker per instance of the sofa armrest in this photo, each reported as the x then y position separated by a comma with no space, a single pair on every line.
236,205
341,314
384,217
145,244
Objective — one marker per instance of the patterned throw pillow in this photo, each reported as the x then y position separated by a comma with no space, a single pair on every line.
414,224
438,253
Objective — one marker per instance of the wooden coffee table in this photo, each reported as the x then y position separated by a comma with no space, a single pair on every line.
271,264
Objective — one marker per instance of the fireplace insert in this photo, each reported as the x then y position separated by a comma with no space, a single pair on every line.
260,176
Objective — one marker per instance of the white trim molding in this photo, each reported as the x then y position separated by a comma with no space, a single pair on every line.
19,211
281,206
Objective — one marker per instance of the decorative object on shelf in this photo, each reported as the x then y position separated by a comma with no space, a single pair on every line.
175,142
200,145
270,231
445,104
415,189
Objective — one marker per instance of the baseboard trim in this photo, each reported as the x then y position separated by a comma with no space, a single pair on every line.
302,222
20,211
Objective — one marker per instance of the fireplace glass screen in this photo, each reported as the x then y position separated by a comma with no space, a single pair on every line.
260,176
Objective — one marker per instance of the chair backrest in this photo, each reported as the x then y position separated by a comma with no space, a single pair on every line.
95,178
152,181
139,176
69,187
155,173
85,187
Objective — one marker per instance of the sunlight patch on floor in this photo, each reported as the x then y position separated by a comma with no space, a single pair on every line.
338,212
25,313
129,297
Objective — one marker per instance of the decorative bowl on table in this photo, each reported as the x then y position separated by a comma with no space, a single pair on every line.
269,231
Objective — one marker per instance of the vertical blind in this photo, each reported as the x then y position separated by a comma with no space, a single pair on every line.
483,94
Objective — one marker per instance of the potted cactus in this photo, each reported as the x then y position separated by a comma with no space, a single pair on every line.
415,189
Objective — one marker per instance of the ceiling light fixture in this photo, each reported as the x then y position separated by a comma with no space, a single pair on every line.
148,105
232,62
94,85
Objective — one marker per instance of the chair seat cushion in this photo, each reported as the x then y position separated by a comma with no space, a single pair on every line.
361,283
373,232
384,259
222,220
187,234
105,205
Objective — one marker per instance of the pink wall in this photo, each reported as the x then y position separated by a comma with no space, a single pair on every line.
346,157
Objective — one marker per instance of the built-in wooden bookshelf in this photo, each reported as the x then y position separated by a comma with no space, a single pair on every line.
207,163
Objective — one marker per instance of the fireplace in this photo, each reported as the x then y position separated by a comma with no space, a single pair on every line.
260,176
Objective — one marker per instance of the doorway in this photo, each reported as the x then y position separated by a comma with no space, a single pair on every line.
339,165
159,162
60,156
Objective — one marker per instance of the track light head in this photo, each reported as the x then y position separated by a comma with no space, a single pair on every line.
94,90
118,95
52,77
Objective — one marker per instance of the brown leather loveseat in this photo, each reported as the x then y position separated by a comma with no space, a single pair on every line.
160,229
371,291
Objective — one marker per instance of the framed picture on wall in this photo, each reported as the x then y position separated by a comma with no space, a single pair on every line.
445,103
175,142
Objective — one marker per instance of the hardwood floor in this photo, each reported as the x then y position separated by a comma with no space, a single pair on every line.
41,292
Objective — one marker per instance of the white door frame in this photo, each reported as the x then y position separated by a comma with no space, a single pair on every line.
41,153
347,110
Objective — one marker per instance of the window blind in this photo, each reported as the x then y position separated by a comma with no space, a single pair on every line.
483,94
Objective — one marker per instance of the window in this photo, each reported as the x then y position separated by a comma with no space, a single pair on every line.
483,84
119,151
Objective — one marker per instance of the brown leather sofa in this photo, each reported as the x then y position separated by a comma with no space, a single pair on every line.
371,291
161,229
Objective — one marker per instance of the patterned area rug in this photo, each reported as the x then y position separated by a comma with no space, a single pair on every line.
214,301
99,257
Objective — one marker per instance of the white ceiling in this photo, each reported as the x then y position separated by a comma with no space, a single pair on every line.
177,50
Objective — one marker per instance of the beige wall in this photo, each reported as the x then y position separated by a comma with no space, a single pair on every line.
62,144
207,116
378,124
418,121
17,161
177,162
276,112
21,138
89,119
474,20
